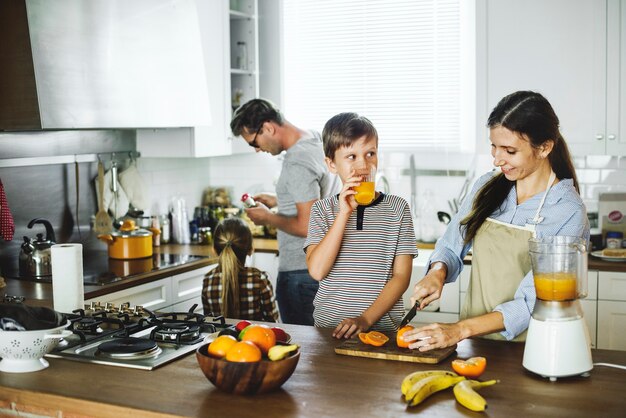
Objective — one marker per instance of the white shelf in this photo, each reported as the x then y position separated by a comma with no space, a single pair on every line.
237,71
236,14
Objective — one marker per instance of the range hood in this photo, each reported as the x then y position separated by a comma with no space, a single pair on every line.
93,64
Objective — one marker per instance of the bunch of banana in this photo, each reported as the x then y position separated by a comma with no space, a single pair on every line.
465,393
428,385
411,378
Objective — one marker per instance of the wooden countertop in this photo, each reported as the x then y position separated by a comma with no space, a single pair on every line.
40,293
324,384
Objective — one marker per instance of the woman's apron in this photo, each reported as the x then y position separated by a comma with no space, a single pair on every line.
500,260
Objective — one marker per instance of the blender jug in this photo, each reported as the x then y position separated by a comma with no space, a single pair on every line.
559,267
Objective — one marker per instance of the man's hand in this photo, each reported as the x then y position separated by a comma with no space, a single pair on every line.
259,214
268,199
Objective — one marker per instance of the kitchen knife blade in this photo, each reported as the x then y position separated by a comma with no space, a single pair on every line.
410,314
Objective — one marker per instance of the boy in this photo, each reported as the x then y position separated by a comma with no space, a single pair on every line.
361,254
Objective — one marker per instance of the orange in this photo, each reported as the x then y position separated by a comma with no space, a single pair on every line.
261,335
244,352
221,345
471,368
399,341
374,338
377,338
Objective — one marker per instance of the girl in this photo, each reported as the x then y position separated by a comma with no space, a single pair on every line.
231,289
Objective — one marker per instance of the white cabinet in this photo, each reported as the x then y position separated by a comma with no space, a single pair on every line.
220,29
570,51
171,294
612,310
267,262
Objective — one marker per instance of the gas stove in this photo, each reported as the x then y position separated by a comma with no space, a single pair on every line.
134,337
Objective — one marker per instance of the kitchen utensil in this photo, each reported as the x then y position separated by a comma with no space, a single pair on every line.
23,351
558,342
34,257
246,378
390,351
129,241
114,187
103,224
410,314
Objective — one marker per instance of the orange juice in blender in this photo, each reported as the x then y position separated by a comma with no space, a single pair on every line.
556,286
365,192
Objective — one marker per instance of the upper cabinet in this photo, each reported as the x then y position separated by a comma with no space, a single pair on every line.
230,45
571,52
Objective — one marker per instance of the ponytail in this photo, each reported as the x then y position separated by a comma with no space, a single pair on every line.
229,297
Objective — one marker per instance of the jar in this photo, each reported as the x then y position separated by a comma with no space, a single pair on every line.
614,239
204,235
165,229
156,225
248,201
242,55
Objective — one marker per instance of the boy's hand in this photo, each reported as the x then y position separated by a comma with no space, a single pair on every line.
350,326
346,198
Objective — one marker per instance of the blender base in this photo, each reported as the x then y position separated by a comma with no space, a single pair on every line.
557,349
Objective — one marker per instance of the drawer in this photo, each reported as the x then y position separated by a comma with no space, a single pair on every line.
189,284
152,296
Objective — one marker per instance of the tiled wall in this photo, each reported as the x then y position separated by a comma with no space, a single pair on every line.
600,174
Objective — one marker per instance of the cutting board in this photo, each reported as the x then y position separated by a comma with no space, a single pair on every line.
390,351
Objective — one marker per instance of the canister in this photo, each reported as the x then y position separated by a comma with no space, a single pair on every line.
614,239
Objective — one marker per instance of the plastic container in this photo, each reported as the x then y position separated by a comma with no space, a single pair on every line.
614,239
242,55
248,201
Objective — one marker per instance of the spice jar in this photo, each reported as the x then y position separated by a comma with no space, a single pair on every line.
248,201
204,235
165,229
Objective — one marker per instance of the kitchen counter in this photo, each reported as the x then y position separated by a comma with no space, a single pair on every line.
324,384
40,293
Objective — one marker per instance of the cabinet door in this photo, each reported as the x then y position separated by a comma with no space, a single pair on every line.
611,325
557,48
153,296
616,78
267,262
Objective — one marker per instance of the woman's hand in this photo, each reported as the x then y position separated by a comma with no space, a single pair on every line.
430,287
347,203
434,336
351,326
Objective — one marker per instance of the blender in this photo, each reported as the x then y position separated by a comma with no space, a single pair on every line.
558,343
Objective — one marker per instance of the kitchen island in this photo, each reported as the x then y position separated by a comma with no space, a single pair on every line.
324,384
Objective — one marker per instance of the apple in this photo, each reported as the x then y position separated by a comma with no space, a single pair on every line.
241,325
280,334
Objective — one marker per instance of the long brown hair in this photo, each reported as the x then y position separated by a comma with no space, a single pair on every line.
232,242
528,114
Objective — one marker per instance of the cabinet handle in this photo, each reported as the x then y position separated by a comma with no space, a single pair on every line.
612,137
599,137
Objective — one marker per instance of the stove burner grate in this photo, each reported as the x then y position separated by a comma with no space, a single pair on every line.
129,348
176,332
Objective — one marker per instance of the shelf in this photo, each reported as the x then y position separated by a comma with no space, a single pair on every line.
237,15
237,71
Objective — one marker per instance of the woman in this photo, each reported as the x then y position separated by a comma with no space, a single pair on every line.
535,193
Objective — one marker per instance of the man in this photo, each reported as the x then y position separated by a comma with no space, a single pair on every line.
304,179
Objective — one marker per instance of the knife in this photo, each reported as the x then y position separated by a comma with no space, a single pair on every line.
410,314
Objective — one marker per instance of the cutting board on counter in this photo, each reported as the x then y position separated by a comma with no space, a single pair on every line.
390,351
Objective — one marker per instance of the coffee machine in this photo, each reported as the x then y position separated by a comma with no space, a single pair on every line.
558,343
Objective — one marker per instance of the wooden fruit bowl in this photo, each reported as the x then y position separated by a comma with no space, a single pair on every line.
246,378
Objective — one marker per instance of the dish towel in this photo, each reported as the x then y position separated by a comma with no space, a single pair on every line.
7,227
135,187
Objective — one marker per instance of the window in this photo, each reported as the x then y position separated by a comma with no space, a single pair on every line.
396,62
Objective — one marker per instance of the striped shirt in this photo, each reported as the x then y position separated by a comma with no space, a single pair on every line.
374,236
563,213
256,296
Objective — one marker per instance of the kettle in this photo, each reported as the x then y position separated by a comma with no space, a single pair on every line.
35,254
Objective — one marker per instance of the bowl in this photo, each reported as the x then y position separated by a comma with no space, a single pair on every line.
246,378
23,351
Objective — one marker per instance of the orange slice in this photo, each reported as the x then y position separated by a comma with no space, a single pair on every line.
376,338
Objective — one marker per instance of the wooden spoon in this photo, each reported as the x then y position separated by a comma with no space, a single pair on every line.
103,224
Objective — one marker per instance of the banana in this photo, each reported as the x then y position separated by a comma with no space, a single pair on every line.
465,393
279,352
411,378
425,387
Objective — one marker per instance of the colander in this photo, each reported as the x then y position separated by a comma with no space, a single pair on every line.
23,351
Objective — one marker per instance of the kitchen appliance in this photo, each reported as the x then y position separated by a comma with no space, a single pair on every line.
129,241
558,343
134,337
35,255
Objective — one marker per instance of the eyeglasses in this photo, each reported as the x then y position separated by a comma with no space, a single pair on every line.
253,143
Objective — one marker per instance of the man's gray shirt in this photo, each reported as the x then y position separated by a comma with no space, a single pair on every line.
304,177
